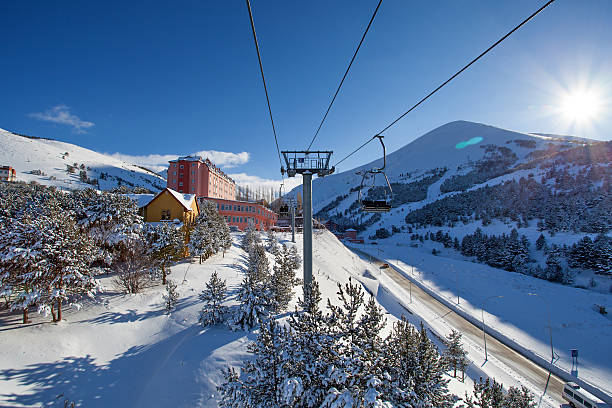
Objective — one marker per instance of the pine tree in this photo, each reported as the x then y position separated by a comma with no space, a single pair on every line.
67,254
455,356
255,304
171,296
250,238
168,246
272,246
284,279
541,243
519,398
486,394
311,350
213,295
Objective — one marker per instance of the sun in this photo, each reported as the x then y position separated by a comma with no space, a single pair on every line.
581,106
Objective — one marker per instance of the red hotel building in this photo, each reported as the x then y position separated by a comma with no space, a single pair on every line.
243,213
192,175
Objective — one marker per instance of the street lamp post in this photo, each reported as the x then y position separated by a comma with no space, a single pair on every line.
484,336
552,351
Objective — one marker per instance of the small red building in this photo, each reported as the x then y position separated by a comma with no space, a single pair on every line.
350,234
7,173
243,213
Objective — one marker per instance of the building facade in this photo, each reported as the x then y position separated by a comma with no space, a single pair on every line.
242,213
192,175
7,173
171,205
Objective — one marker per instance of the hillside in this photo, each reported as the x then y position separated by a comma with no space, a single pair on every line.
46,162
458,158
535,204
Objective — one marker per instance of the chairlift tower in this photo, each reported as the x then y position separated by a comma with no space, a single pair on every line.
307,163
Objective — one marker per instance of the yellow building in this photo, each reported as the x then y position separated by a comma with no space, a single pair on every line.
171,205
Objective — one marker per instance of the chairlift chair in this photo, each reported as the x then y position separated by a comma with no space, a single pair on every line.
376,206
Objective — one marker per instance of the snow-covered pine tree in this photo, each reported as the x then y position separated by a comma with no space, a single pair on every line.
556,269
110,219
168,242
311,348
20,282
67,252
272,246
283,280
201,237
486,394
519,398
264,378
255,303
455,356
171,297
415,369
250,238
213,295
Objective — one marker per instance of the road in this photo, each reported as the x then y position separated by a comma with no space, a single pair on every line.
535,374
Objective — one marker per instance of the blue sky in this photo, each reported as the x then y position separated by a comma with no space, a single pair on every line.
167,78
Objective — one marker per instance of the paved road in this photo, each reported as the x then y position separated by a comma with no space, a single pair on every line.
536,375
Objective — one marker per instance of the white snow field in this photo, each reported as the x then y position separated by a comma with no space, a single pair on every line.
517,306
123,351
26,154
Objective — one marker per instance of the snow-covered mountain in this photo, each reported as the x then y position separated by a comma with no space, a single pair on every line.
453,158
47,161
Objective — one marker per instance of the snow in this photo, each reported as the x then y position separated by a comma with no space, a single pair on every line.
185,199
521,317
123,350
27,154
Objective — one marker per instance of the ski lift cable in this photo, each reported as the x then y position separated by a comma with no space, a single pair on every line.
263,78
345,74
450,79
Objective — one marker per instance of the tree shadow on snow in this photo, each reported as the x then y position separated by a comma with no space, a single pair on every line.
133,316
171,372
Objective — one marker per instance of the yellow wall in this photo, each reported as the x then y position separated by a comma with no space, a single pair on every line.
166,201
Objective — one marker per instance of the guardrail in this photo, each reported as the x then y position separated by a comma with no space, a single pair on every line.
528,354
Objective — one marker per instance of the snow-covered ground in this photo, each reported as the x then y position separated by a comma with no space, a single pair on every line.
49,156
122,350
518,306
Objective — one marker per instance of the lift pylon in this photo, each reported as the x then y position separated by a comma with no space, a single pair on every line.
307,163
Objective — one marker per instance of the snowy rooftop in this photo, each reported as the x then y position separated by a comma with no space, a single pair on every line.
184,199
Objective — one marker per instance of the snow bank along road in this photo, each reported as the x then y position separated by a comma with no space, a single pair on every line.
527,369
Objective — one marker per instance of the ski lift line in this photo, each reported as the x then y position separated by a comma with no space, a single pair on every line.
469,64
263,78
345,74
451,78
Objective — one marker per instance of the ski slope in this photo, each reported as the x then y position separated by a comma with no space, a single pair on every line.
49,156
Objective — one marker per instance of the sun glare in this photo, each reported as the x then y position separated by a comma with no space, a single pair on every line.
581,106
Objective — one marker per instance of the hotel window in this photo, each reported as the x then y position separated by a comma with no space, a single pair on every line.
181,166
165,214
192,188
174,173
181,183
